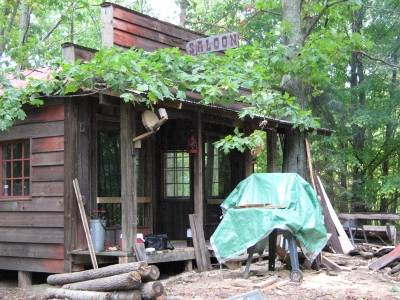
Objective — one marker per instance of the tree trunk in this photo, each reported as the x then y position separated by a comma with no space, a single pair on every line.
53,293
126,281
152,275
183,13
152,289
59,279
294,153
294,150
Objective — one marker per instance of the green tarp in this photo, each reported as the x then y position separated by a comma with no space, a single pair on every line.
241,228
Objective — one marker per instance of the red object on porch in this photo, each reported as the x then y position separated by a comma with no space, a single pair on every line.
192,144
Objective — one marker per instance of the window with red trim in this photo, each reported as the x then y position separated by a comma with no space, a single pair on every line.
15,169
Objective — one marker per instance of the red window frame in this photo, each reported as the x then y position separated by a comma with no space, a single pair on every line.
15,169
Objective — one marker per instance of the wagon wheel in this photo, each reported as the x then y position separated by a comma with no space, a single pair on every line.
296,275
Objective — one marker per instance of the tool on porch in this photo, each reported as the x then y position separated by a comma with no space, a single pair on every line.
85,222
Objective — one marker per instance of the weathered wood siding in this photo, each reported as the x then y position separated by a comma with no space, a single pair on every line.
32,231
126,28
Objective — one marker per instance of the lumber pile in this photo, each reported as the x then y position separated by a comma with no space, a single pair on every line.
133,281
390,261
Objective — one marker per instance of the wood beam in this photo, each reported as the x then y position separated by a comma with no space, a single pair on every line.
128,177
198,173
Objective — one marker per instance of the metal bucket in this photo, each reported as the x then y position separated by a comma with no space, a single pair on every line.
98,233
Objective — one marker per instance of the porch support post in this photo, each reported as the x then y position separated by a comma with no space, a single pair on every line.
249,161
198,173
128,177
272,152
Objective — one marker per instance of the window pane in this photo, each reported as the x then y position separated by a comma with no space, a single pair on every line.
169,190
170,176
17,150
27,150
6,169
17,188
6,151
17,166
26,168
26,187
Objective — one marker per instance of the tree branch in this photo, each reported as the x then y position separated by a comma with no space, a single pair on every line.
310,22
375,58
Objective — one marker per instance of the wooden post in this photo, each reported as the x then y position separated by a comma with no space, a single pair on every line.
249,162
198,174
128,177
272,153
199,243
24,279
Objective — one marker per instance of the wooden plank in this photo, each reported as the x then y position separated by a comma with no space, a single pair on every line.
85,223
259,205
116,200
49,113
369,216
47,159
51,251
145,21
140,252
32,235
199,243
332,265
386,259
133,31
34,130
310,168
48,144
337,230
47,189
47,173
34,204
32,264
272,152
32,219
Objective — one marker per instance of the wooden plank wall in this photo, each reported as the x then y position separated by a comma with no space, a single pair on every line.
126,28
32,231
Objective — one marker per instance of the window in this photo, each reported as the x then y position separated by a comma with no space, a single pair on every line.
15,169
177,174
218,171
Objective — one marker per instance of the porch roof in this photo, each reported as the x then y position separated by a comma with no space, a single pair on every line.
193,98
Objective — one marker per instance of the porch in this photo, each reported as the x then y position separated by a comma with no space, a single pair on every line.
181,253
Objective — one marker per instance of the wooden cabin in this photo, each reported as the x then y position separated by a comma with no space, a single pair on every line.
148,186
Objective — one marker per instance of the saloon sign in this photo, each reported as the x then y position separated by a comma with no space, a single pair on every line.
213,43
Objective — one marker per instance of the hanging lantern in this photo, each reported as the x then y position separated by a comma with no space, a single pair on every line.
192,144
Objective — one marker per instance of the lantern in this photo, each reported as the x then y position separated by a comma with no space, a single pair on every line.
192,144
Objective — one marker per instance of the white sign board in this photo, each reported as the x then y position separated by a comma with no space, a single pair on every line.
213,43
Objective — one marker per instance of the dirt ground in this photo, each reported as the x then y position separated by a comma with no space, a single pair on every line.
356,283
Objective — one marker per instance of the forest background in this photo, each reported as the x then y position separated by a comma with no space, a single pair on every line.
316,63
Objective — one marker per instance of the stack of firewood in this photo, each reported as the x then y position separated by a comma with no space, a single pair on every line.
132,281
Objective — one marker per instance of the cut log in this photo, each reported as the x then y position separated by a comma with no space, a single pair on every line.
386,259
152,275
54,293
126,281
152,289
60,279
